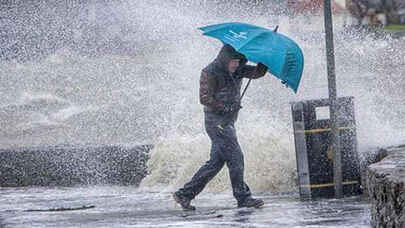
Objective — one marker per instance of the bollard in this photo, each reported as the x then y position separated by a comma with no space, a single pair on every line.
312,134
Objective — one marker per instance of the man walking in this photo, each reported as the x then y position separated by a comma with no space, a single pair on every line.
220,85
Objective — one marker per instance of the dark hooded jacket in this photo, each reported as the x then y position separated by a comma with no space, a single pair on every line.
219,87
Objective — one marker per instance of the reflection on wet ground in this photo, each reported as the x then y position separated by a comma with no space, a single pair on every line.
131,207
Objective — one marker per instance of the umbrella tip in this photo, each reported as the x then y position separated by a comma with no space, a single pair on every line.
275,30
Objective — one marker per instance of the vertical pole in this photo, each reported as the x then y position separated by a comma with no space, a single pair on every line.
333,105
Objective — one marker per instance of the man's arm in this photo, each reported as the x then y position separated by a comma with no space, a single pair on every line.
207,90
253,72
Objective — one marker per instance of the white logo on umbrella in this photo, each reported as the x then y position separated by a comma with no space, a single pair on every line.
241,35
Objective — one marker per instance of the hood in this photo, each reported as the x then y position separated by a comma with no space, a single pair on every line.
220,65
227,53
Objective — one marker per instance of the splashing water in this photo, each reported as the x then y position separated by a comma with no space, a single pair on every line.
127,72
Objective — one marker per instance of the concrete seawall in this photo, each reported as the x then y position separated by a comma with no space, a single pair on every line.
72,165
386,189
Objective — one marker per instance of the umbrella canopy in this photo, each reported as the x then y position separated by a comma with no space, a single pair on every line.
279,53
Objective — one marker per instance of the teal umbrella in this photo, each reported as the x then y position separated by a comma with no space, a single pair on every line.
280,54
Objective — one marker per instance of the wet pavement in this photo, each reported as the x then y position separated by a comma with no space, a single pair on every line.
130,207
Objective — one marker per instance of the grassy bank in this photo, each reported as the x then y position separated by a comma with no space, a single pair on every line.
395,27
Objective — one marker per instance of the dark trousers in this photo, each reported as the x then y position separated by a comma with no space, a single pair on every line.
225,149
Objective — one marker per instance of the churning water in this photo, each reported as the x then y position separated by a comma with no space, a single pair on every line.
127,72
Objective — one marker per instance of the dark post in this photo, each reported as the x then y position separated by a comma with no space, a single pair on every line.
330,57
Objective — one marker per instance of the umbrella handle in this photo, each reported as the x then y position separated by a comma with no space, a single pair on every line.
244,91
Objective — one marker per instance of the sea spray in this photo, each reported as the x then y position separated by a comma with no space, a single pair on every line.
129,74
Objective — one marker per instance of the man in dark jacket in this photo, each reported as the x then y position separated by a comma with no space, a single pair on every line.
220,85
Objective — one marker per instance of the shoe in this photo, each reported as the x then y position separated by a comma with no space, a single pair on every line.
251,202
183,201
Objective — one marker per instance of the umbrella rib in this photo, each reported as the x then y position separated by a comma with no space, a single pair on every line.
260,33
